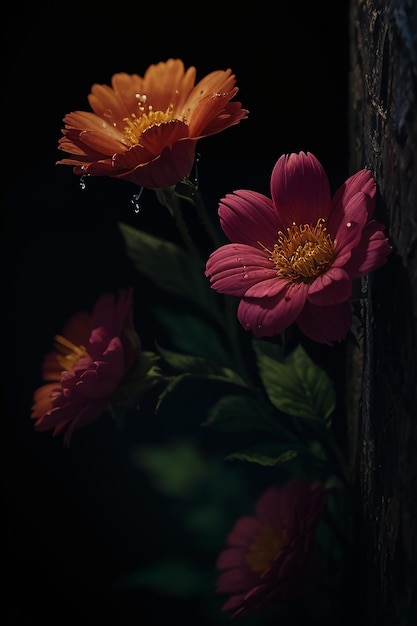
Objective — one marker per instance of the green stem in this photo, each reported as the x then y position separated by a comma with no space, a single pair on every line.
212,232
233,335
171,200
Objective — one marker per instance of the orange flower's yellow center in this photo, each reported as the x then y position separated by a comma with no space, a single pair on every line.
136,124
265,548
303,252
68,353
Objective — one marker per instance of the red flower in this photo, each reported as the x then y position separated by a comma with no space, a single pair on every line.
272,556
293,257
90,360
145,129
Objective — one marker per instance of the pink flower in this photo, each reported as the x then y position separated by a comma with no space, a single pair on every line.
272,555
293,257
144,129
89,362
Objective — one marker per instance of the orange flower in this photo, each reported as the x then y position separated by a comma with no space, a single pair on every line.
145,129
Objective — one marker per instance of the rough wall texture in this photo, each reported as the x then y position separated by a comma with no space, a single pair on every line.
383,369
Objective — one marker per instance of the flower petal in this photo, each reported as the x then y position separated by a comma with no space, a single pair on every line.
333,287
93,373
165,170
233,602
101,143
274,506
234,268
300,189
325,324
352,223
243,531
231,557
361,181
236,580
211,114
266,317
249,217
371,252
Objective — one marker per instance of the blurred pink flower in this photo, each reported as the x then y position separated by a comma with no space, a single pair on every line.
145,129
271,556
91,358
293,257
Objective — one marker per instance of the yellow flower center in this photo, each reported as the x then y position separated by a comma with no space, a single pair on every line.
265,548
303,252
68,353
137,124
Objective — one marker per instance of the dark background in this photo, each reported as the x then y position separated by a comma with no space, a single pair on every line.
292,72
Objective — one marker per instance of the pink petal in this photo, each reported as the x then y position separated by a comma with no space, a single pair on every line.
361,181
267,288
243,531
300,189
272,507
270,316
333,287
351,225
231,557
234,268
235,580
371,253
325,324
233,602
249,217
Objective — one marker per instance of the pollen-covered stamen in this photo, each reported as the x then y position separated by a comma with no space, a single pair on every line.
68,353
265,548
303,252
137,124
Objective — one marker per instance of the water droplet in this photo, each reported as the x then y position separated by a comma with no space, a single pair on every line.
135,200
82,182
349,224
238,259
141,98
245,275
247,325
108,113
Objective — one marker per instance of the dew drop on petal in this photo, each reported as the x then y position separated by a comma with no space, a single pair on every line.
107,113
83,183
349,224
245,275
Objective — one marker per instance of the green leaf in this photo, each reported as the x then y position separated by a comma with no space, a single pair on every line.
171,268
186,399
176,469
144,376
192,335
172,577
295,384
198,366
265,454
242,413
